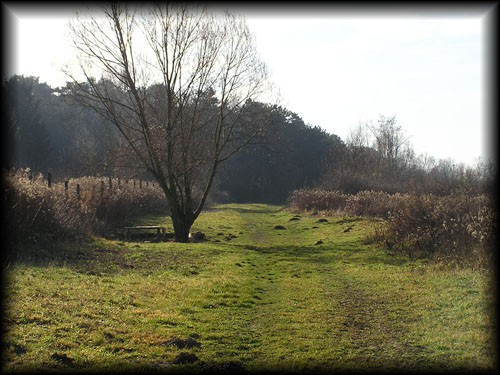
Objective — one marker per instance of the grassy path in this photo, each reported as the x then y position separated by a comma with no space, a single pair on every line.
252,297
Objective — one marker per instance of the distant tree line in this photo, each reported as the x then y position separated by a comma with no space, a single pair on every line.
288,155
45,129
48,131
379,157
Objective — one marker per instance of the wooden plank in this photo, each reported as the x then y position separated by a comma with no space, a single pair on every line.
159,229
146,227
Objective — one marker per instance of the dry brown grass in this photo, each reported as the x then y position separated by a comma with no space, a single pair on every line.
458,227
35,211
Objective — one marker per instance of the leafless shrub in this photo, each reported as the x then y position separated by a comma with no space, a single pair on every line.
458,227
371,203
33,209
84,206
317,200
365,203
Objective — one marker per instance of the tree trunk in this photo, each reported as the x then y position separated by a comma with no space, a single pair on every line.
181,229
182,216
182,225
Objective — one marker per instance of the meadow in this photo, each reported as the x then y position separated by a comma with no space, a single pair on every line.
270,290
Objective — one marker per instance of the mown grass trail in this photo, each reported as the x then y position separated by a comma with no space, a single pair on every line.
252,297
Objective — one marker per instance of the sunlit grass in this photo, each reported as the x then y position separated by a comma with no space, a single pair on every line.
253,295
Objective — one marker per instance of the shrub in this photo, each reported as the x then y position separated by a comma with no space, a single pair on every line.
456,227
371,203
365,203
33,211
115,202
317,200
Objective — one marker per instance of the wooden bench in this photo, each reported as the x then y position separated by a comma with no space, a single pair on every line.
160,231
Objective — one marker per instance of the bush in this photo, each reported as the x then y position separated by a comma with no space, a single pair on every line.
317,200
116,202
365,203
33,211
371,203
456,227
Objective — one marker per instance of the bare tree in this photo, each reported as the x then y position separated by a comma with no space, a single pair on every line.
358,143
358,137
389,138
178,82
392,144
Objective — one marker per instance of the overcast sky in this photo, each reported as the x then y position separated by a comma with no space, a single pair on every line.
337,68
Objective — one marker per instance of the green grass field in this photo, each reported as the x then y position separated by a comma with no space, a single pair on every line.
251,297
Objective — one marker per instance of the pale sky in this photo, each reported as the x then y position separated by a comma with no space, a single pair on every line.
337,68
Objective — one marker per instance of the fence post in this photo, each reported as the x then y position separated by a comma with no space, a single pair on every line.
78,191
102,189
66,188
49,179
110,183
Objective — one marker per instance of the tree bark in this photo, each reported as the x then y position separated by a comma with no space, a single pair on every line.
182,226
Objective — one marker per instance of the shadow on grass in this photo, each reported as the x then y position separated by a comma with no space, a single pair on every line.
326,254
96,256
247,209
82,254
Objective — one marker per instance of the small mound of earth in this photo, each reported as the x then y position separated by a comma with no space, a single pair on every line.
185,357
225,368
295,218
198,236
322,221
19,349
181,344
63,359
230,236
279,227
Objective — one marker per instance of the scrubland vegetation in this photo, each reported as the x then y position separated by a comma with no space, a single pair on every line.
332,281
40,215
456,228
